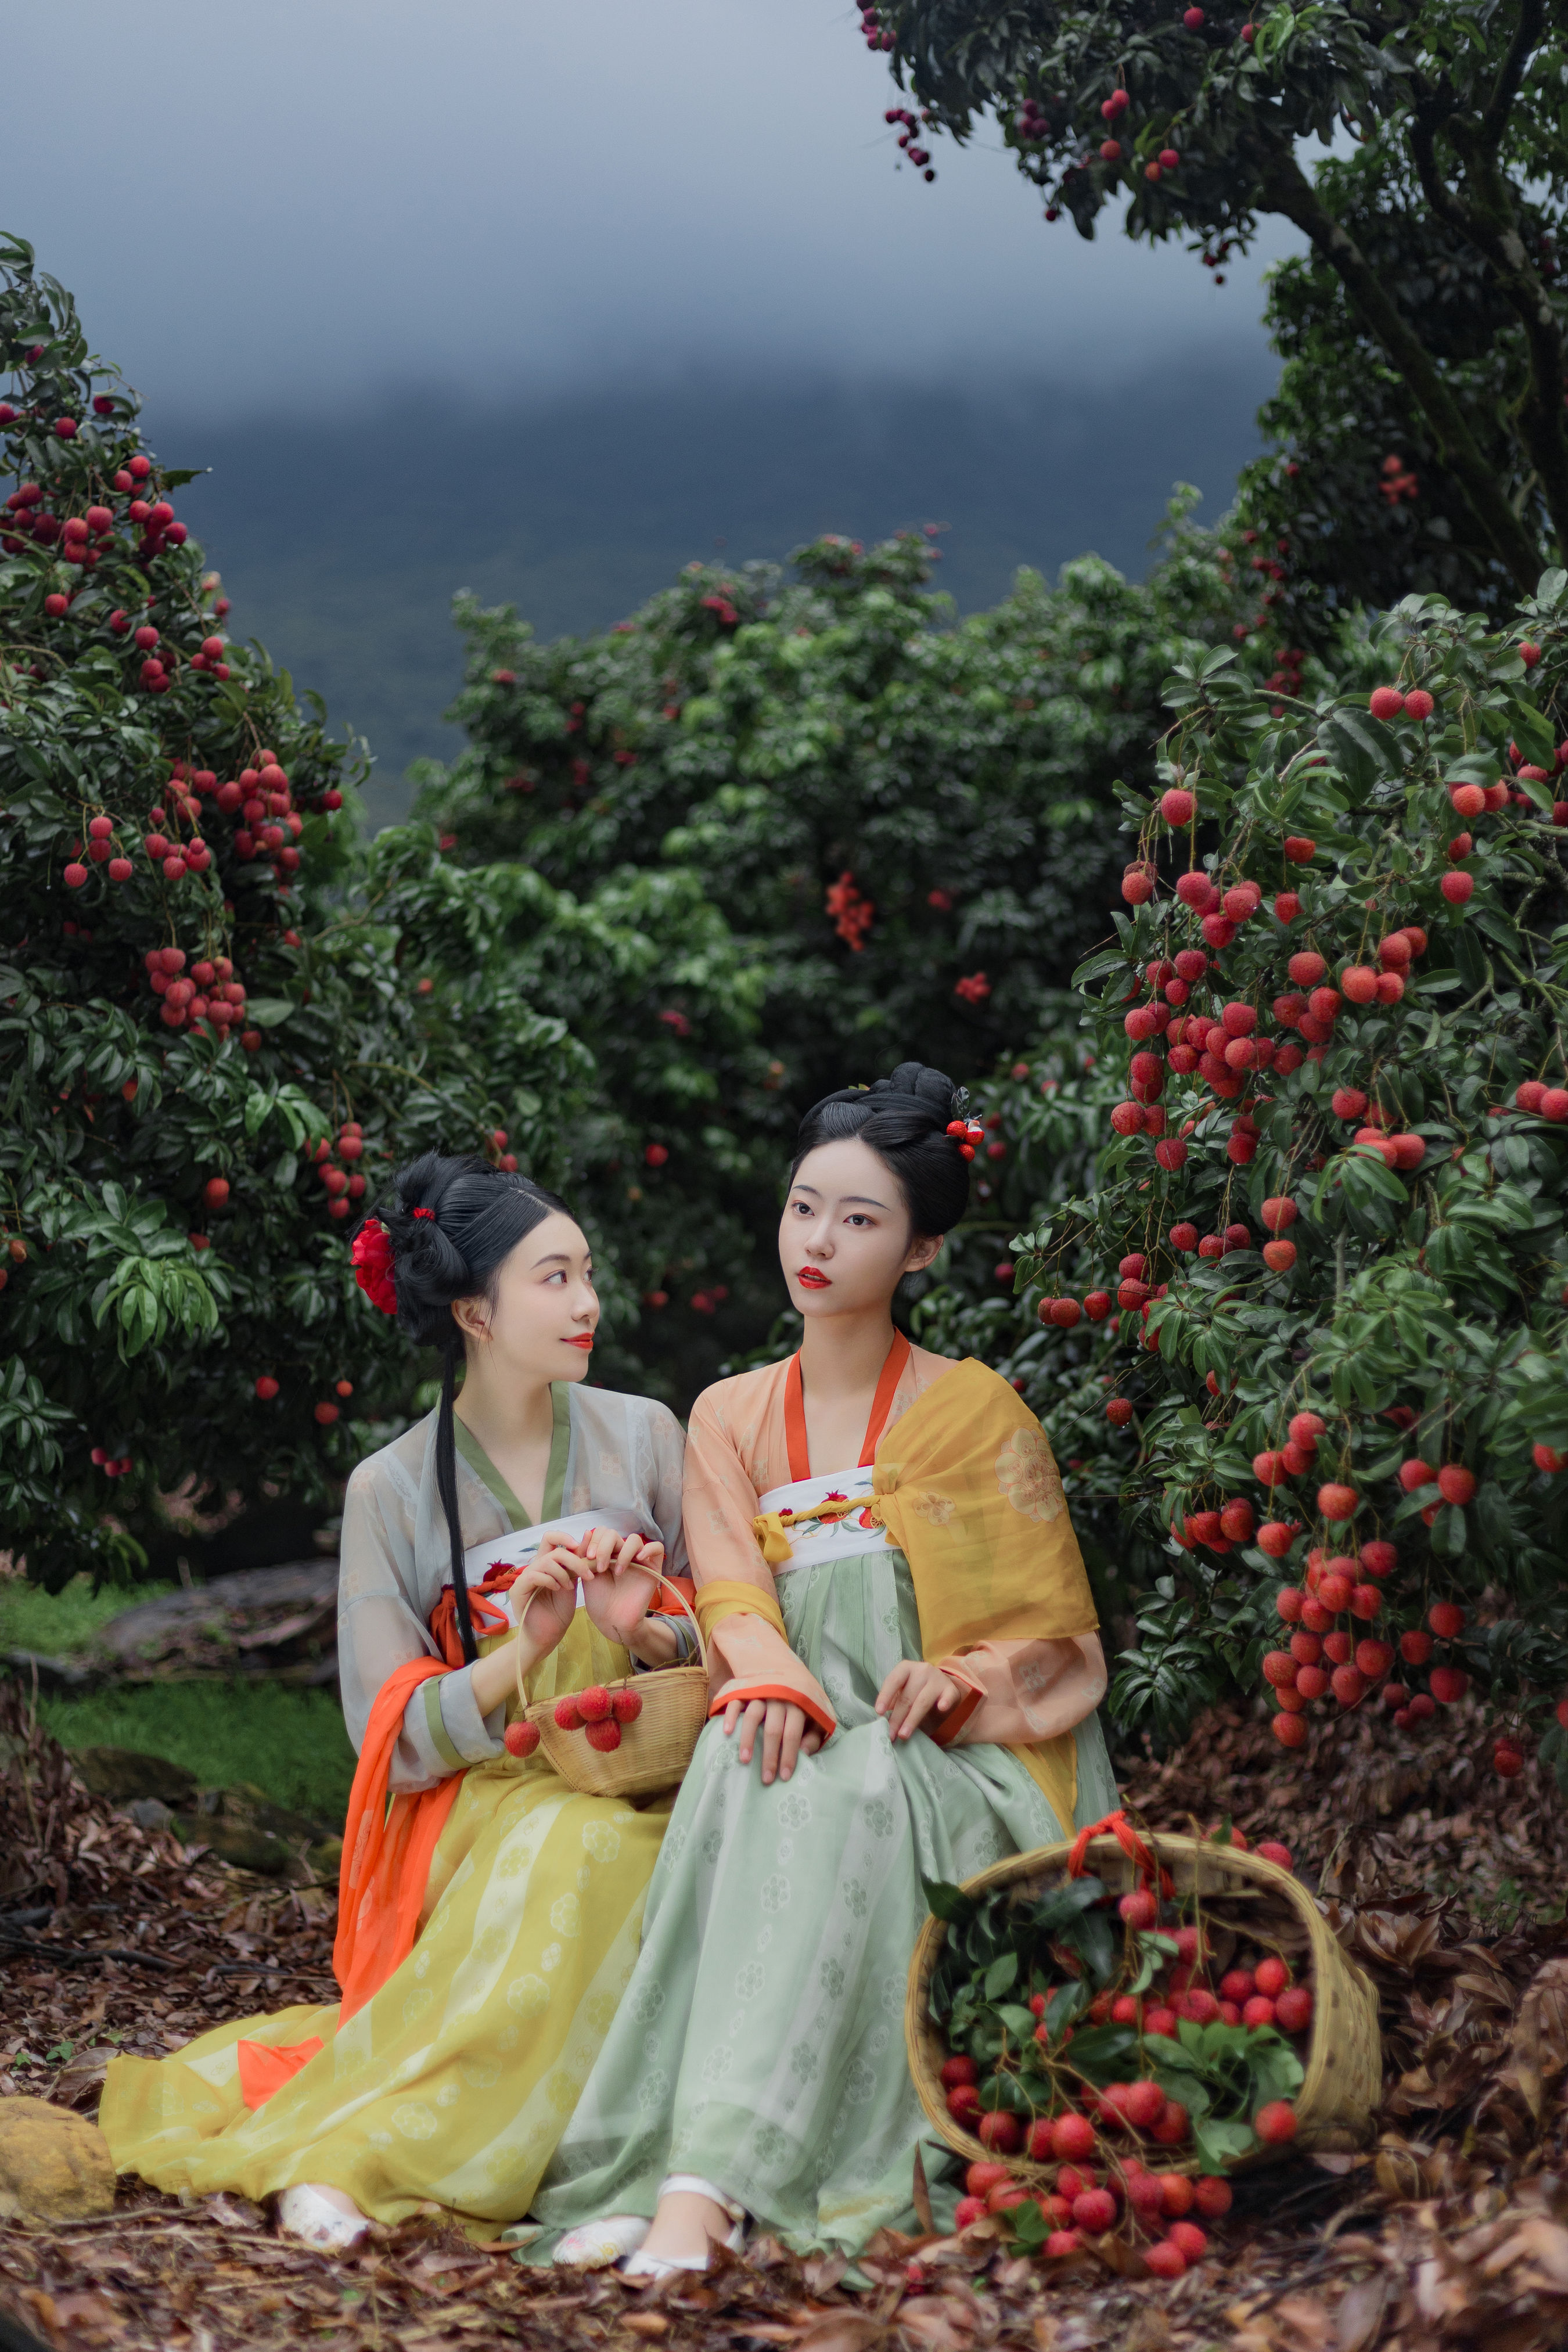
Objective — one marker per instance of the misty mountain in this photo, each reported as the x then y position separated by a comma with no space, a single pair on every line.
343,542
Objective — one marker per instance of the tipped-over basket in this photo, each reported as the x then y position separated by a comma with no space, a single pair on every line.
1238,1891
656,1746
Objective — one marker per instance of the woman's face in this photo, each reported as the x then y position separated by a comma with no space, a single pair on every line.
845,1238
541,1325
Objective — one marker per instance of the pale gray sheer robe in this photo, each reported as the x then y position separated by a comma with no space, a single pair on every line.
396,1556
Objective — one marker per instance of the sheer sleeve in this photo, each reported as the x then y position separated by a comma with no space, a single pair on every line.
381,1625
721,1503
1030,1691
664,1474
737,1602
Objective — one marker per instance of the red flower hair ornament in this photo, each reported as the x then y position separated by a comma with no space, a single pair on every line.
373,1265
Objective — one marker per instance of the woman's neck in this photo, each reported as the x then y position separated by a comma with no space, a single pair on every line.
514,1421
841,1360
842,1356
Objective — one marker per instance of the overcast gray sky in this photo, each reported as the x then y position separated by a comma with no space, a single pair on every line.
302,201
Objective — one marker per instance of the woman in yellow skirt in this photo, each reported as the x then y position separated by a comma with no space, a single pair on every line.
489,1919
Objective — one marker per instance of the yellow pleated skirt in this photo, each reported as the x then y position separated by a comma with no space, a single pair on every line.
452,2085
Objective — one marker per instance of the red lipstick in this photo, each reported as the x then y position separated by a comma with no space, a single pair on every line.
813,1279
586,1341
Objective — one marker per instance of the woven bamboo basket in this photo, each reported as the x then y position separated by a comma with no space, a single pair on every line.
1244,1900
655,1749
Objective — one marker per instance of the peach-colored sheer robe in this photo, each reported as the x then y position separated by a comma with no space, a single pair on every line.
737,1449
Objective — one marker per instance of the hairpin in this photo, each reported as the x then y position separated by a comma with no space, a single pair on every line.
424,1212
966,1135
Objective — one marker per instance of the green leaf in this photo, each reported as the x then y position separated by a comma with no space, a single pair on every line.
1217,2146
1002,1974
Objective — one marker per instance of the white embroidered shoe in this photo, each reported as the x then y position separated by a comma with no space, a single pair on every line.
305,2212
660,2266
596,2244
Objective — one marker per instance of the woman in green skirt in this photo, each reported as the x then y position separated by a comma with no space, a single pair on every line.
907,1671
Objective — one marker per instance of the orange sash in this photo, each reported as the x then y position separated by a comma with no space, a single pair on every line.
264,2067
387,1853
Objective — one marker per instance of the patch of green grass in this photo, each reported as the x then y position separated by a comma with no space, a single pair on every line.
289,1742
57,1625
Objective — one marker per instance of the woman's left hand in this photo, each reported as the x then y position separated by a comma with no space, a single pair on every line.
620,1577
910,1695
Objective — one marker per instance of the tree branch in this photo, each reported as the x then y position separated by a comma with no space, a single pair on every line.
1510,73
1286,189
1489,225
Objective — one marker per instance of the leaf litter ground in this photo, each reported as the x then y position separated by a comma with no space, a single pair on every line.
1451,2231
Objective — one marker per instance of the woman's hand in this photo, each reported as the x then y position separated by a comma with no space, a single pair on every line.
787,1732
620,1576
544,1597
909,1693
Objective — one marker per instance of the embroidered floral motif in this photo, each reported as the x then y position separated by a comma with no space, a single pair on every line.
938,1509
1027,1476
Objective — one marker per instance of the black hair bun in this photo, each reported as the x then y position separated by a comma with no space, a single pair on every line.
927,1086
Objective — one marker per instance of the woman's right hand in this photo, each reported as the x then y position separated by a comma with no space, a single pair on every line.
786,1731
545,1596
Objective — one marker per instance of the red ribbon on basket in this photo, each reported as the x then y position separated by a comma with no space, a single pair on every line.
1132,1845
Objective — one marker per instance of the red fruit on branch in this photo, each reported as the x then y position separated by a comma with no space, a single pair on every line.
1447,1620
1456,1483
1337,1503
326,1413
605,1737
1448,1685
1178,807
266,1388
1458,887
1119,1412
1418,704
1097,1305
1002,2132
1547,1458
520,1738
594,1704
567,1717
1299,849
1385,702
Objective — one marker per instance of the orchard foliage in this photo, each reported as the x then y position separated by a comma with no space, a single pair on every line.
1429,309
1323,1258
220,1022
903,820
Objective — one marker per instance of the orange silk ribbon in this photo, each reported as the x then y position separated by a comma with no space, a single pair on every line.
264,2068
387,1853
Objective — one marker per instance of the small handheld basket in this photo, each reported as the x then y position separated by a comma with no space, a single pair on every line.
656,1746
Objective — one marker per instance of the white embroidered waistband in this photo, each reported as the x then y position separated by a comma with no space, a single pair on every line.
840,1538
518,1548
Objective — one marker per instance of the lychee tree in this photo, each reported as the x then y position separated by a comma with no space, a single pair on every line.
219,1021
1323,1257
903,818
1432,277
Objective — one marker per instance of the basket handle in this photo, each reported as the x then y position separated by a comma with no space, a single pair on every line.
670,1584
1132,1845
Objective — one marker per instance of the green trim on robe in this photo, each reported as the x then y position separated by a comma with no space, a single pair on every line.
480,1463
